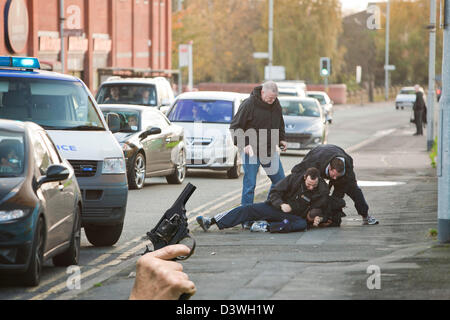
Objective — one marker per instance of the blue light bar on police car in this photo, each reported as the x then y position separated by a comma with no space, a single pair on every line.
20,62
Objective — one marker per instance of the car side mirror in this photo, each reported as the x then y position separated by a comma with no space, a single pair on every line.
55,172
113,121
150,131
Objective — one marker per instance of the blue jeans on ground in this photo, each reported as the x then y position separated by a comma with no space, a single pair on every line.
274,170
278,220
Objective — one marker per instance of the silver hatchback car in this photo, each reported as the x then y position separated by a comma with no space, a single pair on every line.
305,124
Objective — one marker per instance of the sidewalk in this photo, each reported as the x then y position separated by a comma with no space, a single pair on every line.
397,259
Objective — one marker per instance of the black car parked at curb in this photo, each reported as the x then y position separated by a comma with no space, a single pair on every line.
40,203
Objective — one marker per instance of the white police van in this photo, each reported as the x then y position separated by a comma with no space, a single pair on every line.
65,108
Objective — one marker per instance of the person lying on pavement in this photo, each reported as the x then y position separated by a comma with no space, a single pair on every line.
293,202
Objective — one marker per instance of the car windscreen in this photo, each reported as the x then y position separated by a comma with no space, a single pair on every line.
287,93
319,97
129,119
124,93
407,92
300,108
53,104
11,154
209,111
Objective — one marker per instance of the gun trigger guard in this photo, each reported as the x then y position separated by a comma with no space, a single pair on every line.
181,258
147,250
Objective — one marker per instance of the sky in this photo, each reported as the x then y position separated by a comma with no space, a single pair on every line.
355,5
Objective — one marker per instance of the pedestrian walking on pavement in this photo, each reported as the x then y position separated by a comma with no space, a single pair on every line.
257,129
293,203
419,109
336,165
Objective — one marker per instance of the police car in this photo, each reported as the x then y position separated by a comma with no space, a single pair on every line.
65,108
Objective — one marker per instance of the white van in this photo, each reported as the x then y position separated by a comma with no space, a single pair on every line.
152,92
205,117
65,108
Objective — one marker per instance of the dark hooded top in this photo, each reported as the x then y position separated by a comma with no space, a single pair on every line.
419,104
321,156
292,190
256,114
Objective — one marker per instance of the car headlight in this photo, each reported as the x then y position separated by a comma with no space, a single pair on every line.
12,214
113,166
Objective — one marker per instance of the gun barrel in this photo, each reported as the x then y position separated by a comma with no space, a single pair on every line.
186,194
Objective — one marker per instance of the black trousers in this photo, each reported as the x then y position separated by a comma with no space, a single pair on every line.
355,193
418,120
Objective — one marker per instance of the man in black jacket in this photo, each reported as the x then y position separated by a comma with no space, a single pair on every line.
336,165
257,129
293,202
419,109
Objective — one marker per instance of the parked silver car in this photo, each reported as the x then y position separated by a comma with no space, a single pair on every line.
405,98
305,124
206,117
325,102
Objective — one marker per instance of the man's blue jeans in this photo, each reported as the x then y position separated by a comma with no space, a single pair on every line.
278,220
274,170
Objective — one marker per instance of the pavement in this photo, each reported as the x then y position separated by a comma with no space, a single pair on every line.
398,259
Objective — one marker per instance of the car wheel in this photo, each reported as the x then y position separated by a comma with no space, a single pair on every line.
72,255
32,276
136,178
177,177
103,236
235,171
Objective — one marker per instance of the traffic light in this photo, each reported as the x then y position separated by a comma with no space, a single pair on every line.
325,66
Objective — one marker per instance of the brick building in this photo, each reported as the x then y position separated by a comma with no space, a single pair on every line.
101,37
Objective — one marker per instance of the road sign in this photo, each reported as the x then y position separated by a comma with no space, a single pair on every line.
389,67
358,74
276,73
183,53
261,55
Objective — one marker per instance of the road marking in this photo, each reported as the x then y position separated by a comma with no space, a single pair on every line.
96,261
124,256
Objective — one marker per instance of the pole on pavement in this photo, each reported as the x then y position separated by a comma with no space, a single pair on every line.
61,32
191,67
386,56
444,138
431,76
270,39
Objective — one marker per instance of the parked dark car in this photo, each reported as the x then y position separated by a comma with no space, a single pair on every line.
152,145
40,203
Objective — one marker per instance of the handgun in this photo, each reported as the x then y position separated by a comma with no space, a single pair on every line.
172,228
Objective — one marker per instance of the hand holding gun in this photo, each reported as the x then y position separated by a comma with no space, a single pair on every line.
172,228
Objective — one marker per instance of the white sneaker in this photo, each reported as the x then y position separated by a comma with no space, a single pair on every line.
260,226
369,220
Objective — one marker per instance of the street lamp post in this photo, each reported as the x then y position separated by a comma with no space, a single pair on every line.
443,161
431,76
61,31
270,39
386,58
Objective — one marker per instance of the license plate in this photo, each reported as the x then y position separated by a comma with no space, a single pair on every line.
293,145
